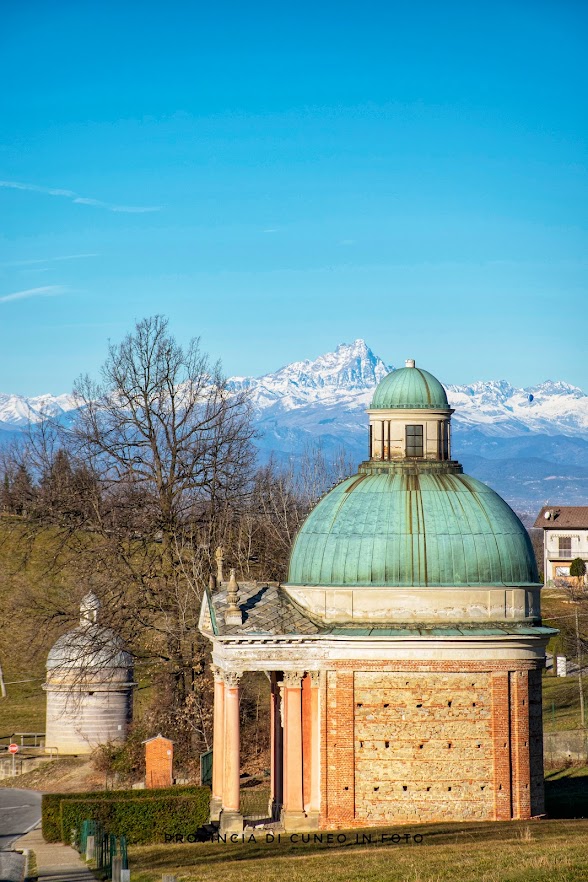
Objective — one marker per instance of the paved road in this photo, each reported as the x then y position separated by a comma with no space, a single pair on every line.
19,811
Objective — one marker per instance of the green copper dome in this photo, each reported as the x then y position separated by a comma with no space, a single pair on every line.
419,528
408,388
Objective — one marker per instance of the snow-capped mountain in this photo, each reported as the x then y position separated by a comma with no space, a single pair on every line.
345,379
346,376
16,410
530,444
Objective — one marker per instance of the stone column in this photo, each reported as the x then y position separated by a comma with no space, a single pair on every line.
315,758
294,816
231,820
218,745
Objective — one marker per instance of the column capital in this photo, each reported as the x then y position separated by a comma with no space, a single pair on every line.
232,678
315,678
217,672
293,679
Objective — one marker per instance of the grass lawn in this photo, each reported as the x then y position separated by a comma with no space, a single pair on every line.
521,851
536,851
561,703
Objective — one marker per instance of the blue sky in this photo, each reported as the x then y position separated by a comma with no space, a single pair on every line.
279,178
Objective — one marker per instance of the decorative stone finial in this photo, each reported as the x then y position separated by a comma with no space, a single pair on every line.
219,556
409,362
89,609
212,582
233,615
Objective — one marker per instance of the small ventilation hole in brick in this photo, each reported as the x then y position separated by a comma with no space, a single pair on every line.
449,745
361,743
386,705
404,787
526,743
448,704
478,745
419,705
347,788
360,704
449,788
386,744
473,703
482,787
421,746
505,743
376,789
523,702
500,786
428,788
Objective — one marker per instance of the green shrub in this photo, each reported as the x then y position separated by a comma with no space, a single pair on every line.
142,821
51,803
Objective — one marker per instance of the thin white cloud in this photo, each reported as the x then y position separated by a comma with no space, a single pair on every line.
44,291
76,198
270,231
38,260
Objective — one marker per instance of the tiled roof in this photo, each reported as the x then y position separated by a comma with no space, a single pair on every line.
563,517
268,611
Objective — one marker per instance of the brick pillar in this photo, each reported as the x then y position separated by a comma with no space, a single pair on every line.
536,743
501,745
218,752
159,757
294,815
521,771
231,821
340,750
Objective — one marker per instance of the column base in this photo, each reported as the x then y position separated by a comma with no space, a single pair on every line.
230,822
274,810
299,821
216,805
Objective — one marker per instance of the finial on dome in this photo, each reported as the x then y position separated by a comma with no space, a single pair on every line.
409,362
89,609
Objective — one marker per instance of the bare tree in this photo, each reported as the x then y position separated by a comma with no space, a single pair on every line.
132,498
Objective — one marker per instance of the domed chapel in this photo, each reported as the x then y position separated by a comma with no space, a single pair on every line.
404,651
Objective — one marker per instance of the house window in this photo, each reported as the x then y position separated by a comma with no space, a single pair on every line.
414,440
565,546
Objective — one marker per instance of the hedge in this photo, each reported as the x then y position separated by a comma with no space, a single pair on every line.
142,821
51,803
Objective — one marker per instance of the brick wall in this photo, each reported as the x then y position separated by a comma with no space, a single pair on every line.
158,762
536,743
435,741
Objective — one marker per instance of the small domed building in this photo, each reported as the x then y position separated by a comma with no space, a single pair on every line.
89,686
404,651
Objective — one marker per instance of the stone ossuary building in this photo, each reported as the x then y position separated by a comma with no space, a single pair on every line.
404,651
89,686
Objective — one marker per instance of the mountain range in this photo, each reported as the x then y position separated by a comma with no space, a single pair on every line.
531,445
